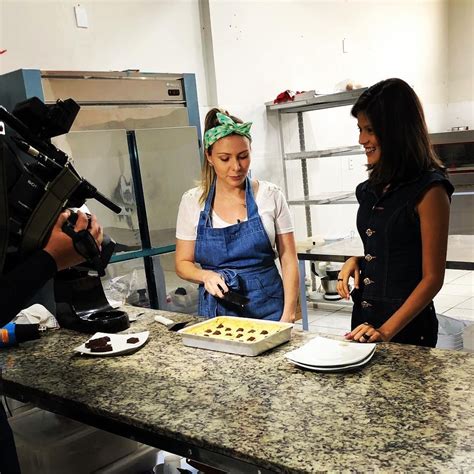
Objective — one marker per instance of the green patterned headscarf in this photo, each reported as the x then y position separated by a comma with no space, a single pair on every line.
227,127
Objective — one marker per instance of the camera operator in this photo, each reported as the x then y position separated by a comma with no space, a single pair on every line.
38,238
19,284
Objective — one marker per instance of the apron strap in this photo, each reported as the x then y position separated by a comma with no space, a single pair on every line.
252,209
210,197
205,217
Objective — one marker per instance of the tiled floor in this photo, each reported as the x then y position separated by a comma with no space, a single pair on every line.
455,300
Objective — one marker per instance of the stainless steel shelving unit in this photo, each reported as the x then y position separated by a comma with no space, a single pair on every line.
342,197
318,102
339,151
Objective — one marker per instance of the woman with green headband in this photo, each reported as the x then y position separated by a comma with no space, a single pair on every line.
235,228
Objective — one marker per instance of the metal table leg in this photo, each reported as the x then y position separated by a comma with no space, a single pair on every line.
303,303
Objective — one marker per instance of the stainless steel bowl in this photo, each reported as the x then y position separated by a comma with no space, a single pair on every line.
329,285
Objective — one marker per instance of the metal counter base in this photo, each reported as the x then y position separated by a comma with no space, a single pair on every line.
142,435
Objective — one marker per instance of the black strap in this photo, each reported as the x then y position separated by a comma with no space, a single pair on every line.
46,212
3,206
86,246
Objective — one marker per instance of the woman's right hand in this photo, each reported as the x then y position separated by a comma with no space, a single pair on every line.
349,269
214,283
60,245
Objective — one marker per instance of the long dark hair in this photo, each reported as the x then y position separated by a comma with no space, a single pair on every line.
398,121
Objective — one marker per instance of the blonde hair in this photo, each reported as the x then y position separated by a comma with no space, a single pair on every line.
207,178
208,174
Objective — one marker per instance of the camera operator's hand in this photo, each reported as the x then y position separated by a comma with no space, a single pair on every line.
60,245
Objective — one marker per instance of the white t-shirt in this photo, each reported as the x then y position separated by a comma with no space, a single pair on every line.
272,208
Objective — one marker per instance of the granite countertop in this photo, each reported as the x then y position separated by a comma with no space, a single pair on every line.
409,409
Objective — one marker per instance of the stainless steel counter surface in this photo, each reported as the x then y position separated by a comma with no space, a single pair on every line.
410,409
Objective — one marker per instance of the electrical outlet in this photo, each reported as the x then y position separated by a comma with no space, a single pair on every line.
350,163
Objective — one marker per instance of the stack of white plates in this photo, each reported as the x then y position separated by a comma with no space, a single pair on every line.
328,355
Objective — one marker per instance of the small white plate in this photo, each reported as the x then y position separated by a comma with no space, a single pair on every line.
324,352
117,341
340,368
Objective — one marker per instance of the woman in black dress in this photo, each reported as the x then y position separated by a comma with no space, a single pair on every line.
403,220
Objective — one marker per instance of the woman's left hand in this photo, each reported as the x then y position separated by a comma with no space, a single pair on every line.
366,333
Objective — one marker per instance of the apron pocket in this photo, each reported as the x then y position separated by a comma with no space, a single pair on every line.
271,287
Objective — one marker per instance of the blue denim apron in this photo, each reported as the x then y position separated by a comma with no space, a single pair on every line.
243,255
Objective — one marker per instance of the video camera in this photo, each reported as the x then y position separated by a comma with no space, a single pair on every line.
37,187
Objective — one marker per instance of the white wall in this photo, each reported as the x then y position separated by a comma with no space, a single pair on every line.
264,47
461,64
150,35
259,49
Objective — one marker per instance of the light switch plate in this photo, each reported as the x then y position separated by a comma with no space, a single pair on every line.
81,16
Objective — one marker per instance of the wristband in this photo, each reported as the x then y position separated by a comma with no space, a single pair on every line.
7,335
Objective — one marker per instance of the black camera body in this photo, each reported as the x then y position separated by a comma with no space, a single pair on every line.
38,182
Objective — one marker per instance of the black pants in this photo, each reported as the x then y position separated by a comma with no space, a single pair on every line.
8,457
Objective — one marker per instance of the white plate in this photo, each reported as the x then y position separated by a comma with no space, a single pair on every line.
324,352
329,367
334,367
340,368
118,341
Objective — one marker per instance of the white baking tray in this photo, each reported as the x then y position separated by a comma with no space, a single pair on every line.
278,333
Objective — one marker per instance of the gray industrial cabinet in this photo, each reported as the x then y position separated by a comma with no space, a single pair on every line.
137,139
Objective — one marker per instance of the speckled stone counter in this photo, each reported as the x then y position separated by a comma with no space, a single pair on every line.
410,409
